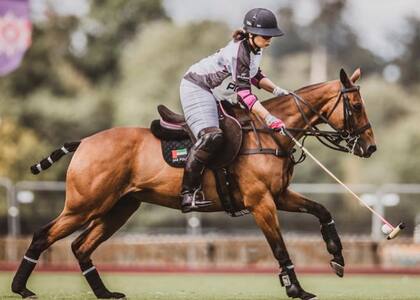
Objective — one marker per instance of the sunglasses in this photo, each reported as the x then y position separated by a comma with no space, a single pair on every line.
266,37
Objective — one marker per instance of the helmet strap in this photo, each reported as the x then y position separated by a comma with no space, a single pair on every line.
254,48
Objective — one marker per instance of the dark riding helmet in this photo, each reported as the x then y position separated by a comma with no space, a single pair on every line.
261,21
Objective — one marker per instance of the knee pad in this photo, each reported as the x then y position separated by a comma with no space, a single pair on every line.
209,140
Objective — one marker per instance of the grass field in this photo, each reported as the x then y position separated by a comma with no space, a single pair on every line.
219,286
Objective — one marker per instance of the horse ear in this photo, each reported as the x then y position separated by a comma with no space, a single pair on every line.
356,75
345,79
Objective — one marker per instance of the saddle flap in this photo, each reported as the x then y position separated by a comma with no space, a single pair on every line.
232,141
169,116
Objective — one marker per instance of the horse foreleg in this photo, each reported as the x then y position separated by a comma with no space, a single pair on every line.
99,231
265,215
42,239
295,202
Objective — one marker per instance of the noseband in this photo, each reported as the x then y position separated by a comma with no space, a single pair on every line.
349,134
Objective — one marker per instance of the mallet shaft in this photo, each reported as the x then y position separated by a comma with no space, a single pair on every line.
338,180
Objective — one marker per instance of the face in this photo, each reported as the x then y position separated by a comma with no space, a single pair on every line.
262,41
366,144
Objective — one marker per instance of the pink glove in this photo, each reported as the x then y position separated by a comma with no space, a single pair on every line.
275,123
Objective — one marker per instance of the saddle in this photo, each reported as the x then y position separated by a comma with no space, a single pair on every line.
177,138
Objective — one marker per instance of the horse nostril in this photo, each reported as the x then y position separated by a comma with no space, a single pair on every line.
371,149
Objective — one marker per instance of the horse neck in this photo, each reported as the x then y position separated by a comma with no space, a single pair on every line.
318,96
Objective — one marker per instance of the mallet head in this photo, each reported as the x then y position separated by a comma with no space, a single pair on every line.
394,233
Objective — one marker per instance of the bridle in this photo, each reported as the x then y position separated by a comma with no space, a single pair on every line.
349,134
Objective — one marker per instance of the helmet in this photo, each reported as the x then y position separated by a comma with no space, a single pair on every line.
261,21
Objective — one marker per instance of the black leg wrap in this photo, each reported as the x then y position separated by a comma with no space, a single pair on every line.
95,282
331,238
334,247
289,280
21,277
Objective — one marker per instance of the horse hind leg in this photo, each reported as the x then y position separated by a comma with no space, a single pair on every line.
99,231
294,202
42,239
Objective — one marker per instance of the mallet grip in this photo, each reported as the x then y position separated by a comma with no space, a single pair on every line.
396,231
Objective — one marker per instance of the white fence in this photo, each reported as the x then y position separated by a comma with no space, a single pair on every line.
378,197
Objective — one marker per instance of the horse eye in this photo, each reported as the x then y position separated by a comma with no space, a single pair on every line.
357,107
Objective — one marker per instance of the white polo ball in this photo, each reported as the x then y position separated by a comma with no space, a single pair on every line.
386,229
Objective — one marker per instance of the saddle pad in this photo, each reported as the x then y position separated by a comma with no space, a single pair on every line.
175,152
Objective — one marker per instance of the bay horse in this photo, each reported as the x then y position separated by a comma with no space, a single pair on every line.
112,172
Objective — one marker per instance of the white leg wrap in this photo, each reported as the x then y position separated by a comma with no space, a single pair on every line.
64,150
50,160
88,270
34,261
332,222
38,166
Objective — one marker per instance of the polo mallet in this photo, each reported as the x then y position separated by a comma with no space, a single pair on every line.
392,231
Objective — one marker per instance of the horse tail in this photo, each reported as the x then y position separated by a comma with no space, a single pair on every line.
54,156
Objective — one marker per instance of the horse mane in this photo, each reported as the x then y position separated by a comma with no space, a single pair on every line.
311,87
303,90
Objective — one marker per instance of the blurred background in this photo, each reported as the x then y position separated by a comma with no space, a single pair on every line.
90,65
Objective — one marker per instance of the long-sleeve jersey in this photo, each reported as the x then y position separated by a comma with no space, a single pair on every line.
227,71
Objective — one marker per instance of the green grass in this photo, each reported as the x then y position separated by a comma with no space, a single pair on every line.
218,286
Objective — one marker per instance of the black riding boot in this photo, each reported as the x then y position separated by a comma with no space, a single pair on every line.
209,141
192,195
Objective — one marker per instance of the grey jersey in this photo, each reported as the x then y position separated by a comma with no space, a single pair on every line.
227,71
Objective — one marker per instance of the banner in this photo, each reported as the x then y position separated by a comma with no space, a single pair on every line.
15,33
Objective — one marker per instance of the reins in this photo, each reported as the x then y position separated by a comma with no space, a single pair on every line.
330,138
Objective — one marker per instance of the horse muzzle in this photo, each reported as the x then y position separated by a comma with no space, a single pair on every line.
367,151
363,150
370,150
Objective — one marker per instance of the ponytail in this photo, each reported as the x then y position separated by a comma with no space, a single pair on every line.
239,35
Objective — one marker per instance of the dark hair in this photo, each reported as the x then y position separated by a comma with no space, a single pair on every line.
239,35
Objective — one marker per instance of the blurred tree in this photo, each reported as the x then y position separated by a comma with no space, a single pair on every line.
153,68
327,33
292,42
44,60
341,42
19,145
410,62
62,90
116,22
58,59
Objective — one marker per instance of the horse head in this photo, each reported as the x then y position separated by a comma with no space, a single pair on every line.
348,116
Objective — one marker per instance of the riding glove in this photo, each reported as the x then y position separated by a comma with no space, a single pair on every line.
275,123
278,91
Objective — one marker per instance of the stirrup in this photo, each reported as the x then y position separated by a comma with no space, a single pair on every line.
195,203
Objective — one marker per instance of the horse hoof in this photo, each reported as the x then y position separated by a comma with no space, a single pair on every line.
26,294
338,268
112,295
307,296
116,295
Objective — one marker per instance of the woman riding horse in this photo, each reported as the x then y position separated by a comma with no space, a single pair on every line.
105,188
230,70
